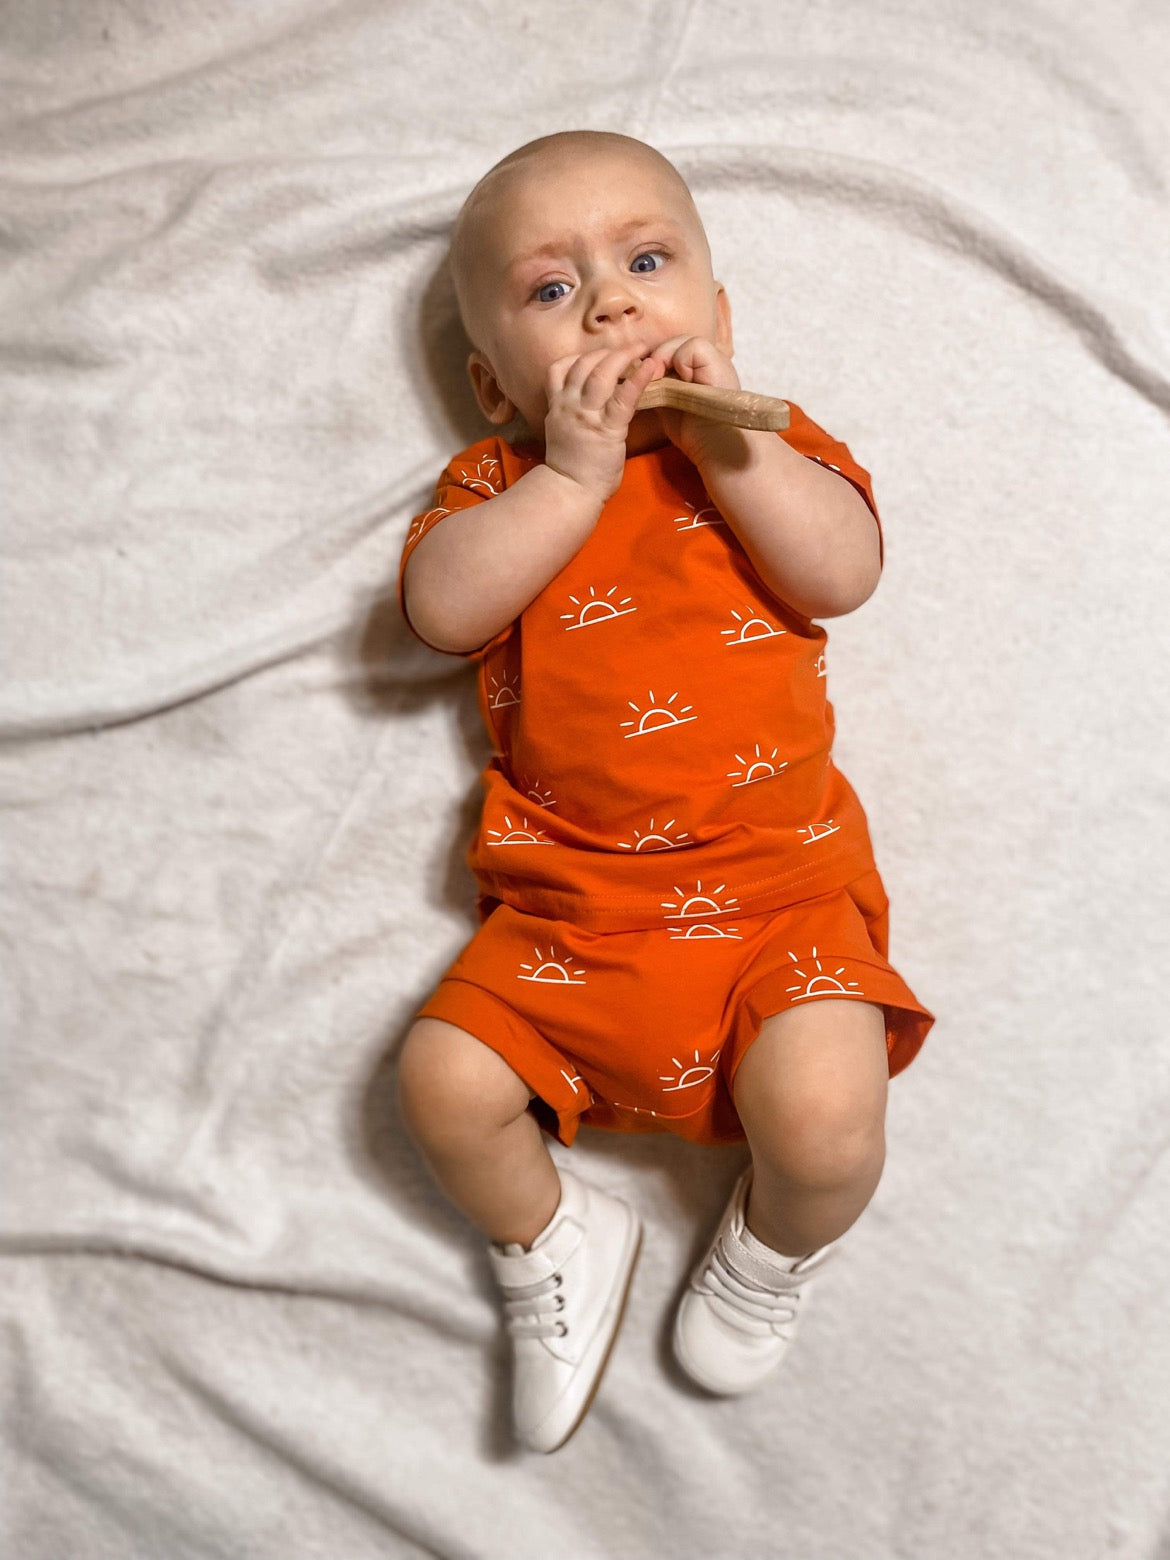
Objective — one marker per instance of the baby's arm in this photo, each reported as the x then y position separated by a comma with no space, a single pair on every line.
476,571
808,532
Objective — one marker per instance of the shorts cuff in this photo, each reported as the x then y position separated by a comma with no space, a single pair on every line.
538,1064
907,1022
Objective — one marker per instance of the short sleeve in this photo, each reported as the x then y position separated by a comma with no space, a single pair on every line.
806,438
469,479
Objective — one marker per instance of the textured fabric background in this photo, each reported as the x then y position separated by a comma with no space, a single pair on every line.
239,1322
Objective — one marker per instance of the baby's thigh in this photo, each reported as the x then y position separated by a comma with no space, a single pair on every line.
598,1023
451,1082
815,1081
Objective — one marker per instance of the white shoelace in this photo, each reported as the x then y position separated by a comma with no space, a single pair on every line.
532,1310
754,1308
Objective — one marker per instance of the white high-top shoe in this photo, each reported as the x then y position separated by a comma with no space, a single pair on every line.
742,1306
563,1303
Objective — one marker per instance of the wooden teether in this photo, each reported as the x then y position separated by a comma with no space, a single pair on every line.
741,408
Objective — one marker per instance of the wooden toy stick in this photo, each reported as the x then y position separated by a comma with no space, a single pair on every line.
742,408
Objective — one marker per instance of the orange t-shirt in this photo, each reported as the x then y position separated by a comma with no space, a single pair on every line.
661,728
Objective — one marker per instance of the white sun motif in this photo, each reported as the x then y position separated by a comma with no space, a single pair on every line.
596,610
819,831
698,904
698,517
502,694
754,770
820,984
424,522
485,478
700,930
552,971
655,840
687,1077
541,798
656,717
517,836
573,1079
750,628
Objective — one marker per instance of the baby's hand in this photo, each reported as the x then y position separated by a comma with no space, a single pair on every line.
590,405
700,362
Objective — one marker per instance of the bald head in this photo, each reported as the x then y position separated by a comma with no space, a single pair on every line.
578,242
547,158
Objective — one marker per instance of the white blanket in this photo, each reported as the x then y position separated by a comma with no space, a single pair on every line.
239,1321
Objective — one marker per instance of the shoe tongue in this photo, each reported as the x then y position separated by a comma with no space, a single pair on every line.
513,1249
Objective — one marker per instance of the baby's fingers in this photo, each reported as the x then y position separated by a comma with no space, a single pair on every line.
640,373
699,361
570,373
602,377
665,351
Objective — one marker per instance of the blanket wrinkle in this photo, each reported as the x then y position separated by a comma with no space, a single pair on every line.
367,228
273,1272
27,711
933,214
305,1448
665,64
1115,118
221,1067
127,100
161,694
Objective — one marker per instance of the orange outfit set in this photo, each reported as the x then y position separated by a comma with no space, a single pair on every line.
667,853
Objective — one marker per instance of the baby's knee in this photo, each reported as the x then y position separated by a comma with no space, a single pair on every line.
816,1135
811,1094
452,1086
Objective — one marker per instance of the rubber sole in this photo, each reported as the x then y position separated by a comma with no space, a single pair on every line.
616,1327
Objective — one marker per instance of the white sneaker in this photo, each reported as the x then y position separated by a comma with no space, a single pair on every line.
741,1309
563,1301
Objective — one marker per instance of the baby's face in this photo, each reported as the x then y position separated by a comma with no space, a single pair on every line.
581,252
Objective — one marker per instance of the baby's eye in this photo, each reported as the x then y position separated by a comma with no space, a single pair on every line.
543,293
652,255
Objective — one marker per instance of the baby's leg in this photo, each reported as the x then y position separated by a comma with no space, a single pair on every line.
811,1094
468,1113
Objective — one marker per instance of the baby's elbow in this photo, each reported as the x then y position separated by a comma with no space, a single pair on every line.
423,619
860,579
852,592
864,590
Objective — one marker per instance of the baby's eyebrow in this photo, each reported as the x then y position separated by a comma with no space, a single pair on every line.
558,246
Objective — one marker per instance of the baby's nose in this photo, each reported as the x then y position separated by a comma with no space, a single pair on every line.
614,306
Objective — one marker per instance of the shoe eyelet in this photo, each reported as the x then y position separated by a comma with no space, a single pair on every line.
560,1302
558,1279
562,1330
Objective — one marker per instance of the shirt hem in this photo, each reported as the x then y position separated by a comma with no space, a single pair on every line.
640,912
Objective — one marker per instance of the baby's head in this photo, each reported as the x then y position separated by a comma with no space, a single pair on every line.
576,241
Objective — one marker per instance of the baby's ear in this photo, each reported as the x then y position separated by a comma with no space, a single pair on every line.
723,337
493,403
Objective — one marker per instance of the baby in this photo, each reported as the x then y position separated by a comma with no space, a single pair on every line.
682,925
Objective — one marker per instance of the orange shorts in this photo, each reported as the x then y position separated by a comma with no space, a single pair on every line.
643,1031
